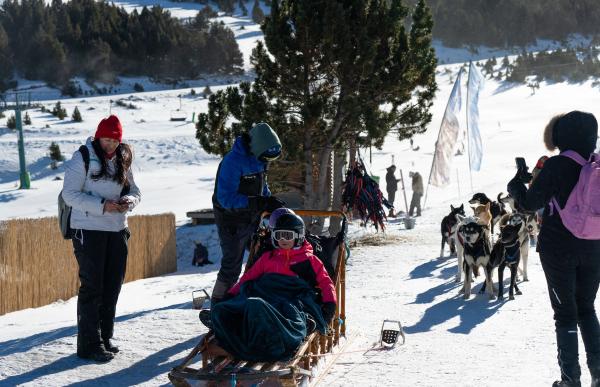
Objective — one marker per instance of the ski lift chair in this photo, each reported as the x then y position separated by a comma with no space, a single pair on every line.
178,115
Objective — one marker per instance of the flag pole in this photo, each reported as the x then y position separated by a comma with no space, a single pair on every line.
458,183
468,135
438,139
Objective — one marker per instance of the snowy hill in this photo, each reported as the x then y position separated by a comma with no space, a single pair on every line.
450,342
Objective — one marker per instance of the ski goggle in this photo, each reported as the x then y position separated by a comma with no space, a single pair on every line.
285,235
271,154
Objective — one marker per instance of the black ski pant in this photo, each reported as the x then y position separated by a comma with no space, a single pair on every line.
102,258
573,280
233,238
391,197
415,203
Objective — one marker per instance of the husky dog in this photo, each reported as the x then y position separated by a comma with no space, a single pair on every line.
507,200
448,228
507,252
532,228
484,218
497,208
476,251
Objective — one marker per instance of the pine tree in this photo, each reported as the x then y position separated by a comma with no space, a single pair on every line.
76,116
55,154
322,80
258,15
243,7
207,91
6,65
11,122
26,119
58,111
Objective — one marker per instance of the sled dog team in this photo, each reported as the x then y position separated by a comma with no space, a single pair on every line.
473,240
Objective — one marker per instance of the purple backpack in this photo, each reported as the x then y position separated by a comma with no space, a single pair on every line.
581,214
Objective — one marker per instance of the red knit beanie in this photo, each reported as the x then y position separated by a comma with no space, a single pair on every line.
111,128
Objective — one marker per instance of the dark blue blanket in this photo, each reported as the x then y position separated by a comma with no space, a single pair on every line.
267,320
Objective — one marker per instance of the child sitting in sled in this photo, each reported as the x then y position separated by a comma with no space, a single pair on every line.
292,256
284,296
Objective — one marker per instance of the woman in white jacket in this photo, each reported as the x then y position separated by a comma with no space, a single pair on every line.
100,196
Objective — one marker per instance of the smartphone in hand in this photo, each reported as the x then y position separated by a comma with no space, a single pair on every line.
520,161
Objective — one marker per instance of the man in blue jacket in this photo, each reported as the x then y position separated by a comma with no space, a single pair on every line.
241,194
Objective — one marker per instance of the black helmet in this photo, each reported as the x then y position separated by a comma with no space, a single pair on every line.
288,227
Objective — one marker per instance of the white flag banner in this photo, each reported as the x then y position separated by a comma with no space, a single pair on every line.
449,130
474,86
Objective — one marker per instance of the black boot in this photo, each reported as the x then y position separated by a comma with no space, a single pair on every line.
109,346
98,354
566,383
205,319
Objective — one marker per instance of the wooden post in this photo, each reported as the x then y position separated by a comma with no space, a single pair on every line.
404,192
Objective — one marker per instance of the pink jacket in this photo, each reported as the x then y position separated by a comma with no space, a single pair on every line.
281,261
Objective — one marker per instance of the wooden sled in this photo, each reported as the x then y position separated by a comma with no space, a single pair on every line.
218,368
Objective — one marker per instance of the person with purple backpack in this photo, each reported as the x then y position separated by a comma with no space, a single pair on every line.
568,187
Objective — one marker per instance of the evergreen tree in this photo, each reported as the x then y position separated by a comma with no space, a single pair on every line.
227,6
330,68
55,154
58,111
258,15
243,7
11,122
26,119
6,66
207,91
76,116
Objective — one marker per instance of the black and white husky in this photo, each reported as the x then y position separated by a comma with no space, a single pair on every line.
476,253
448,228
530,232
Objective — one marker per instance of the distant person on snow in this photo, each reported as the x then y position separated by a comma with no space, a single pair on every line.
570,263
241,193
100,195
417,188
391,186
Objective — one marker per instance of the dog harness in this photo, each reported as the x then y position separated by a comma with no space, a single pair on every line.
512,257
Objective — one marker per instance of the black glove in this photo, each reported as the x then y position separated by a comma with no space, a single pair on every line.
270,203
524,175
328,309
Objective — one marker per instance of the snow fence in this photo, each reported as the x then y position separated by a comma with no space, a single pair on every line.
38,267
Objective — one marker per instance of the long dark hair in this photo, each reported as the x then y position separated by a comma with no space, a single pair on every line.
124,158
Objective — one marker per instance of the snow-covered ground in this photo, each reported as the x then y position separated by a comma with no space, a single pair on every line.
450,342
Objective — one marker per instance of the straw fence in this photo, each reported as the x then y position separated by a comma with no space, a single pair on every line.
37,266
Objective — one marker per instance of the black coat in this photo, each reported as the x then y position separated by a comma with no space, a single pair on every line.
391,182
557,179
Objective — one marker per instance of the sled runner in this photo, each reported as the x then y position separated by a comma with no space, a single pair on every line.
218,368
